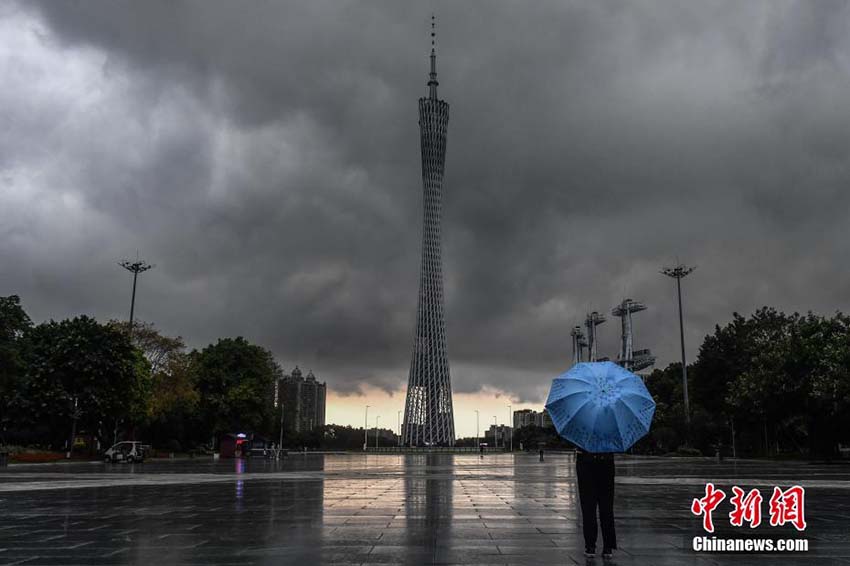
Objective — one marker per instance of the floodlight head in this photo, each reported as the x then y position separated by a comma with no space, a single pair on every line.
677,272
137,266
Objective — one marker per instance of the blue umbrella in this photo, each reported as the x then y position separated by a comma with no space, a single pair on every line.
600,407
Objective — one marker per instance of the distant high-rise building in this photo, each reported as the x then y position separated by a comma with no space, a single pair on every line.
523,417
498,435
303,401
543,420
529,417
428,414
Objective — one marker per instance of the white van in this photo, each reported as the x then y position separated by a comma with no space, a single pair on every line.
128,451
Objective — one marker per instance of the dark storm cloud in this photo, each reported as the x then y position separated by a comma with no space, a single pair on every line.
265,155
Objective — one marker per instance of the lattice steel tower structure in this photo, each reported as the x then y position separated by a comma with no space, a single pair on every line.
628,357
579,344
593,320
428,415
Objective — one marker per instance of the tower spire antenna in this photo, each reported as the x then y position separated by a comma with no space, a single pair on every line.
432,82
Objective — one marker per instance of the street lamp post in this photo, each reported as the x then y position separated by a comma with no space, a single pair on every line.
366,430
377,420
75,415
280,443
399,429
678,273
477,436
510,424
495,432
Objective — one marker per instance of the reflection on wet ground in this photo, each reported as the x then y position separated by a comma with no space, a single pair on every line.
391,509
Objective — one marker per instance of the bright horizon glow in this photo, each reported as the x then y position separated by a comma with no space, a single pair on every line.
351,409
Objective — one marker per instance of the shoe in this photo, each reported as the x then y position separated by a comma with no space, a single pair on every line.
607,553
589,551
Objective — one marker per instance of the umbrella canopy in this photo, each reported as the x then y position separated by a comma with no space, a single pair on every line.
600,407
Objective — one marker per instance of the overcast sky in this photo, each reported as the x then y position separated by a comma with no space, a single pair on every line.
265,156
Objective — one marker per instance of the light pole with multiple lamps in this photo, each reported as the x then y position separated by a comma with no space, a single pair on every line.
134,267
678,273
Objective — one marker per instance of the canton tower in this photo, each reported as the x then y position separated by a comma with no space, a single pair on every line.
428,416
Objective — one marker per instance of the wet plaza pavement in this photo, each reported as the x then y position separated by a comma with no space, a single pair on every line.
393,509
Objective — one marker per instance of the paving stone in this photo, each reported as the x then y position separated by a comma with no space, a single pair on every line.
386,509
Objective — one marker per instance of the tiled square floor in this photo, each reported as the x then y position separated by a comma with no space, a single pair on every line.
391,509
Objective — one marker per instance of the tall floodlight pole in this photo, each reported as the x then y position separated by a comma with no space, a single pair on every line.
134,267
678,273
366,429
477,435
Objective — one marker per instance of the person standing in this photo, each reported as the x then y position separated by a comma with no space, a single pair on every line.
595,475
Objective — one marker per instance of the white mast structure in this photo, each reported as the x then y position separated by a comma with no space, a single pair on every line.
630,358
593,320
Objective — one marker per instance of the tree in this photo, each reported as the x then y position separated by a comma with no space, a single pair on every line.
336,437
824,354
235,381
722,357
533,436
174,391
780,382
667,433
159,350
14,323
171,412
764,385
81,363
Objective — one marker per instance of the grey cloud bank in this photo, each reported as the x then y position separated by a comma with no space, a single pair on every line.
265,156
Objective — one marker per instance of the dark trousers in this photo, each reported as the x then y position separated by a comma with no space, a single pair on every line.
595,473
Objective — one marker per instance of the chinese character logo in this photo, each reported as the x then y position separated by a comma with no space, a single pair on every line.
786,506
707,504
746,508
